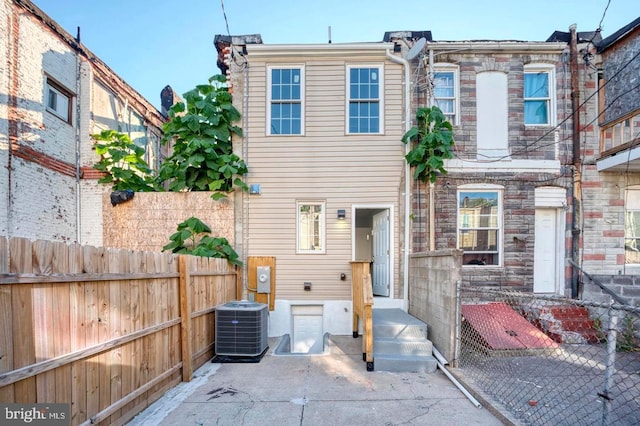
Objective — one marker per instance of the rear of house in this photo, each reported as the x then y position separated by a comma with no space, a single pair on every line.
322,139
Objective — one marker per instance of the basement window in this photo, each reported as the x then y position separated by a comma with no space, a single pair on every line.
58,100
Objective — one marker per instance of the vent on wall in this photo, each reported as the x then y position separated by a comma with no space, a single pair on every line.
241,328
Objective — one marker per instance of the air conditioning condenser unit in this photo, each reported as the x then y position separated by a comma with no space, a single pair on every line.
241,328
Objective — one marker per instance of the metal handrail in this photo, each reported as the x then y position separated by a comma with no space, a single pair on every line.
598,283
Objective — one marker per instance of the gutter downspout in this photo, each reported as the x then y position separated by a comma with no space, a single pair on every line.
577,161
78,143
432,204
407,175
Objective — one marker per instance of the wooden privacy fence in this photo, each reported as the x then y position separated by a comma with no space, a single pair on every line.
105,330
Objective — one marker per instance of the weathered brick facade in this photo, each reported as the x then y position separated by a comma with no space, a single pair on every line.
517,175
604,191
47,185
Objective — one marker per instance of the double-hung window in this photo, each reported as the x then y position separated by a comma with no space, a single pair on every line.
58,100
632,227
310,230
539,95
445,90
364,98
286,101
479,224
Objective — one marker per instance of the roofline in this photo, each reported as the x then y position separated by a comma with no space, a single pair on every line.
618,35
510,46
103,70
355,49
363,49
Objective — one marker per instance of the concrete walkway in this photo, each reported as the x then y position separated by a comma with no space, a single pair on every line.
332,389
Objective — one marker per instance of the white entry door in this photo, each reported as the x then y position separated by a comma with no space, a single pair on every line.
545,256
381,257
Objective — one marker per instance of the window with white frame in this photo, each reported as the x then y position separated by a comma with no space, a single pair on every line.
539,95
286,97
58,100
632,226
480,225
446,90
365,108
310,219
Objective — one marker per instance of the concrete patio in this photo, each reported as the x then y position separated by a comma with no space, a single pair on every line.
327,389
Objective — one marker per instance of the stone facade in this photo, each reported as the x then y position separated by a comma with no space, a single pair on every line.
516,174
48,186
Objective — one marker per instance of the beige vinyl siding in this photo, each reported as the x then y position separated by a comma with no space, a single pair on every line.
326,165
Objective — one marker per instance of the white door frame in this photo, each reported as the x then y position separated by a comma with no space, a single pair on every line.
558,250
553,197
392,240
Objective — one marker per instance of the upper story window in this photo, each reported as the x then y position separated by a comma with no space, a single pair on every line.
311,219
58,100
480,224
365,109
446,91
539,95
286,98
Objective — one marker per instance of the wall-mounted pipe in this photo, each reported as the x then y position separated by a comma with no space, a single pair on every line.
407,176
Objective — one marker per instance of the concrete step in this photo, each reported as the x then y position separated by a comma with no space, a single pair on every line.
402,347
404,363
397,324
400,343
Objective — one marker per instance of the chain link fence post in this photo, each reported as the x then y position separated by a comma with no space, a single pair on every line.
612,340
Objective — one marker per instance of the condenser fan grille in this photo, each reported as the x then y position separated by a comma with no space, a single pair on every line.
241,329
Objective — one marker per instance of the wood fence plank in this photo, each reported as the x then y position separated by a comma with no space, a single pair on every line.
6,341
117,262
185,314
136,287
92,263
126,324
104,330
20,260
62,323
77,337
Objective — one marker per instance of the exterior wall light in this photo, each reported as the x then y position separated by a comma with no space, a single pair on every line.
342,214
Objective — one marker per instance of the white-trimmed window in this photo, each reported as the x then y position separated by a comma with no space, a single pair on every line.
480,224
286,98
446,91
539,95
364,88
632,226
58,100
310,226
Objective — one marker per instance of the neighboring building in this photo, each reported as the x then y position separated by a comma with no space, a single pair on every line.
55,93
507,193
322,130
610,132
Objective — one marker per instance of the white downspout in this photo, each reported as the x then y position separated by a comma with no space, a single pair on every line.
407,176
432,204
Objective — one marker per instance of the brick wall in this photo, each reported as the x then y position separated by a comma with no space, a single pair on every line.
525,143
45,198
623,71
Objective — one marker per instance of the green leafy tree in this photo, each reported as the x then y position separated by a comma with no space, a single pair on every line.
201,132
432,143
123,163
192,238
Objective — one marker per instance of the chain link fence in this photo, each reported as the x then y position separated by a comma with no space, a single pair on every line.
548,360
